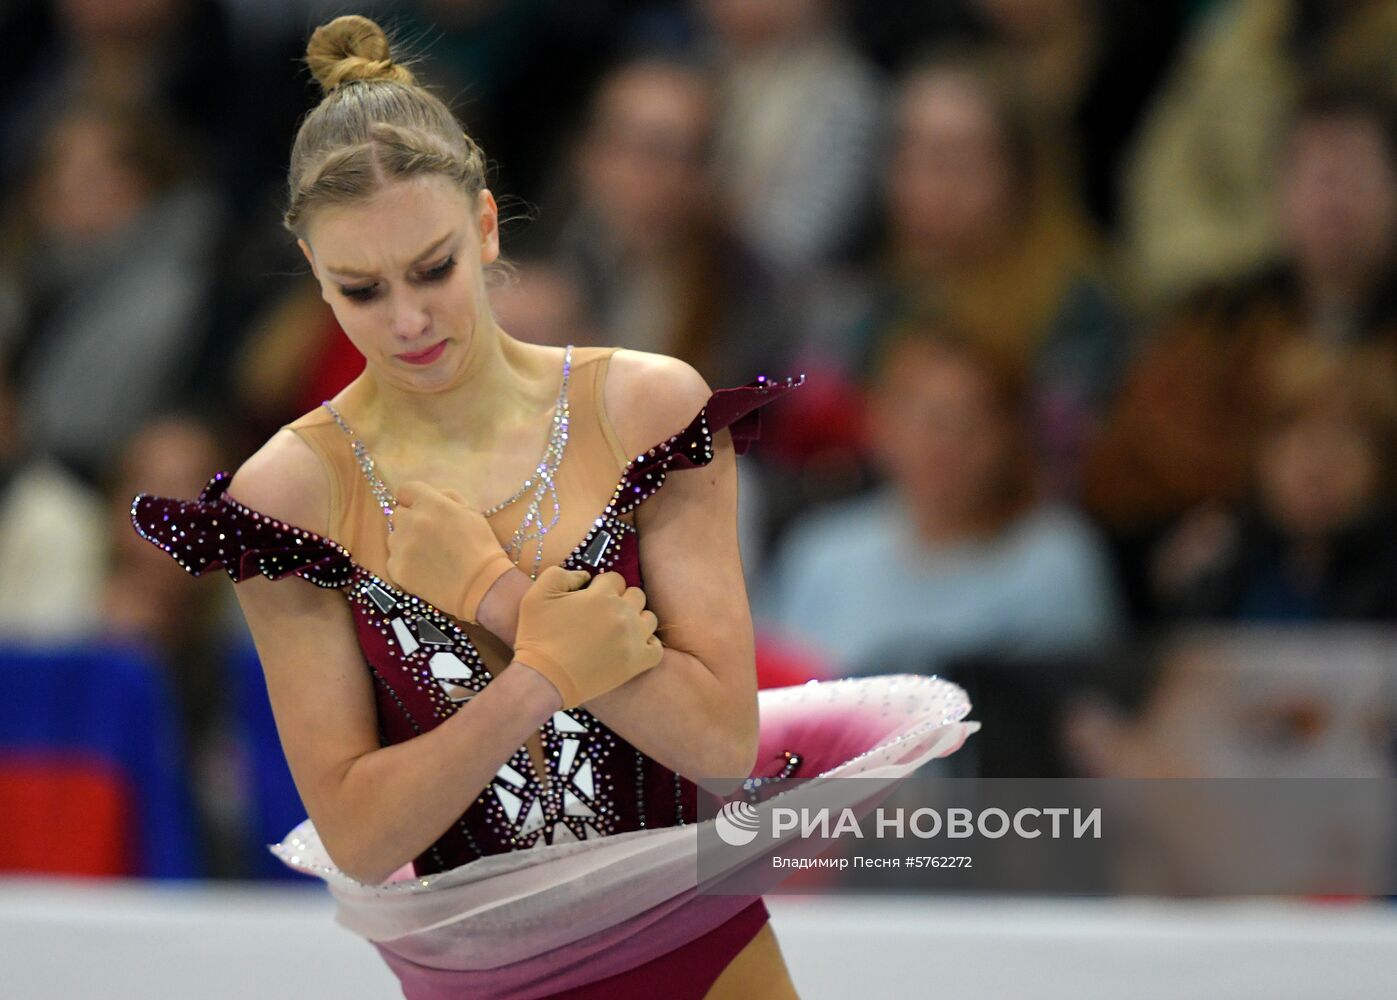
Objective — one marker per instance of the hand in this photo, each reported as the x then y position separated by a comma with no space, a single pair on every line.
443,551
1196,545
586,638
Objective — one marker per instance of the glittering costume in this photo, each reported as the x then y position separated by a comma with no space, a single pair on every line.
513,900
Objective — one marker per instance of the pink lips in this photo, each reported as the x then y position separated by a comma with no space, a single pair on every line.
425,357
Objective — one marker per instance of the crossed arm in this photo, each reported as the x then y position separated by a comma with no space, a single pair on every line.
696,711
377,807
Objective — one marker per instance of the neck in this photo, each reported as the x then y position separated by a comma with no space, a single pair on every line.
920,259
937,524
503,384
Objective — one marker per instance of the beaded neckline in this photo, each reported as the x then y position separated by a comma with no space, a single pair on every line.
154,517
541,481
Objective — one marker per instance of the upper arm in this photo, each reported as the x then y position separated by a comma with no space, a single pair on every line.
320,692
689,554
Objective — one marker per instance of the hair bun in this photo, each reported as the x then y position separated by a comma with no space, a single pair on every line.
352,47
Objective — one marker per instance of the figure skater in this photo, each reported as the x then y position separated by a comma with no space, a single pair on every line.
477,693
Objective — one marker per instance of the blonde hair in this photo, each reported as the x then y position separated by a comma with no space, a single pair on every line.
375,124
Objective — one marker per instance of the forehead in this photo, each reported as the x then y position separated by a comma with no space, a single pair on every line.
912,364
391,227
1338,136
656,97
945,101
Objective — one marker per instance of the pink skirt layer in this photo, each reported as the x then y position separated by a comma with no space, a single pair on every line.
685,973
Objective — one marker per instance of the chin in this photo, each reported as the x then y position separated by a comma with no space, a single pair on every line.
445,374
426,381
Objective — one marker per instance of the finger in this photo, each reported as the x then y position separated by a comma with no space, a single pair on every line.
454,496
420,490
561,580
610,582
409,492
549,575
635,597
649,620
405,519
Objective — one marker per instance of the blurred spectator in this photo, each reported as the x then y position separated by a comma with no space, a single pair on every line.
1234,703
954,556
171,456
981,231
108,254
659,270
172,56
1317,539
1090,68
1199,185
1203,701
1182,431
799,127
52,540
151,600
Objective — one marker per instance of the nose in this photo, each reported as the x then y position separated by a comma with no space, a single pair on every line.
410,319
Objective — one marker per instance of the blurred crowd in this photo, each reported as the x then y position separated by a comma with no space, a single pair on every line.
1096,302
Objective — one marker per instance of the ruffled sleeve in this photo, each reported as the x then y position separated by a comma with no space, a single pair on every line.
215,531
737,408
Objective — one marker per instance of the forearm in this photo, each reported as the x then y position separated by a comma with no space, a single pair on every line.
499,609
707,738
394,802
680,714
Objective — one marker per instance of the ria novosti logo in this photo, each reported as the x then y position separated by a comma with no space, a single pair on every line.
737,823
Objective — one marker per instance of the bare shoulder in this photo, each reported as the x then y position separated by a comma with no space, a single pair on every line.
285,479
650,396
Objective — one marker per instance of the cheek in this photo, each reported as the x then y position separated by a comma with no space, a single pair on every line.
357,323
1355,472
460,292
1273,467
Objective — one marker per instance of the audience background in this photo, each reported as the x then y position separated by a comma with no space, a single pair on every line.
1096,301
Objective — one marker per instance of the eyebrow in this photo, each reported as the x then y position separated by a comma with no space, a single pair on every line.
350,272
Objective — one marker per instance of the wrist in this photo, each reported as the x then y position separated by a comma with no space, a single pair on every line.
533,691
499,608
552,673
479,584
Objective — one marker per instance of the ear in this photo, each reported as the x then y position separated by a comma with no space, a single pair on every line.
488,222
310,257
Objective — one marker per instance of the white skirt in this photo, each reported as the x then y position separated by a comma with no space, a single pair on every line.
530,922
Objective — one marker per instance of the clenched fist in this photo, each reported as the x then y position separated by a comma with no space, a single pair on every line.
443,551
586,638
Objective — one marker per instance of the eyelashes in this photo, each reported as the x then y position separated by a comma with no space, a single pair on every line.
437,273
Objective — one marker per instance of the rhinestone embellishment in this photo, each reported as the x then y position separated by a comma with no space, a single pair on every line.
541,482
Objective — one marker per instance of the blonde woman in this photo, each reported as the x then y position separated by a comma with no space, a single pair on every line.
475,700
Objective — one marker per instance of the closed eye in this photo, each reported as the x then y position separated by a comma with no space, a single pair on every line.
441,270
367,292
